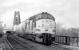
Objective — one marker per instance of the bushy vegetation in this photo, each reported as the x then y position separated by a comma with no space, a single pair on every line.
1,28
72,32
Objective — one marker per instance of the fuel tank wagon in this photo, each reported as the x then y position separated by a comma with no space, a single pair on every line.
40,27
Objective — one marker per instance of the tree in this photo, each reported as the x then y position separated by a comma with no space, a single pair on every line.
1,27
74,32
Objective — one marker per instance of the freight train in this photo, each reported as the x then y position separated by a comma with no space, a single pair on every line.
40,27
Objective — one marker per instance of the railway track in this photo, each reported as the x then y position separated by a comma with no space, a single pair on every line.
54,46
16,44
57,47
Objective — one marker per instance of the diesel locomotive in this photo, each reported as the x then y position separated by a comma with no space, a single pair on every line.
40,27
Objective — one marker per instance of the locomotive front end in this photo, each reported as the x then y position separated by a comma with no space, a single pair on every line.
45,26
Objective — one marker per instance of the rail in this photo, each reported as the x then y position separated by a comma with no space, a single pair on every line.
20,43
9,44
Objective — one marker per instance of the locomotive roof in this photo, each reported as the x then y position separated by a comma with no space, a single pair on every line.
43,15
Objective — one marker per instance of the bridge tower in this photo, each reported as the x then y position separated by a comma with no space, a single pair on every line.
16,18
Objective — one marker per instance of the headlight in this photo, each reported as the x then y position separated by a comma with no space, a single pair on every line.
46,30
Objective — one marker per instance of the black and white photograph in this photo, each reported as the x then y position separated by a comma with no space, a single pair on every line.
39,24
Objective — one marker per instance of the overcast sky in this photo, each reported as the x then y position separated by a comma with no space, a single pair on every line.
65,11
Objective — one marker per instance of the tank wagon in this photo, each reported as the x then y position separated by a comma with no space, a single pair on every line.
40,28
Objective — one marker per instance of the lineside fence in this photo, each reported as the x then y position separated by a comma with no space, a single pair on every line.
74,41
66,40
